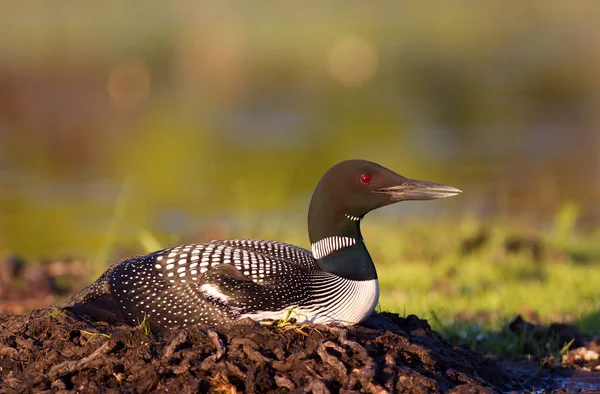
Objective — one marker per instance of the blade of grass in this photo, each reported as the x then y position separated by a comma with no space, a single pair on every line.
112,231
149,242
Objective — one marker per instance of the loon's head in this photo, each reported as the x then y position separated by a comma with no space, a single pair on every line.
360,186
352,188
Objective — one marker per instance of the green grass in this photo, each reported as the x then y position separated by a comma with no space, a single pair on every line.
472,296
490,282
144,326
55,312
501,340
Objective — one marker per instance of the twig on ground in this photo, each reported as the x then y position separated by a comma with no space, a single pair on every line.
178,340
332,360
77,365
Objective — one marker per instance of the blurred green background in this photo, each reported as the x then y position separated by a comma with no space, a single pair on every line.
130,126
121,119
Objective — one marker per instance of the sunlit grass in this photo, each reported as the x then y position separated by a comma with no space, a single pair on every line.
55,312
144,325
471,296
482,282
567,290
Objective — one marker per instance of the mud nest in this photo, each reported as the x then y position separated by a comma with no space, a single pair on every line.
49,349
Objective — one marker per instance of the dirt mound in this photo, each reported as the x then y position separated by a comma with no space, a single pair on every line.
48,349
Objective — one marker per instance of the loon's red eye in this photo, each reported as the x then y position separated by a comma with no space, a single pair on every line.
365,178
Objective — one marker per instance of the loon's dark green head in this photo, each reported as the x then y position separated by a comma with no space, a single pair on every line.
352,188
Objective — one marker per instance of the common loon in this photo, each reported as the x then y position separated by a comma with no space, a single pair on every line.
224,281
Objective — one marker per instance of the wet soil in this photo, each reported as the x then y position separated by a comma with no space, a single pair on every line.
48,349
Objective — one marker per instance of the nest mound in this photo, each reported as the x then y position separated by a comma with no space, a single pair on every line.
48,349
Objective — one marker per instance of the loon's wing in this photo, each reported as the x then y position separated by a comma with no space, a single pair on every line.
227,287
279,250
204,283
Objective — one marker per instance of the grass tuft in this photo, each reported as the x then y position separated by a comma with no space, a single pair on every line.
288,322
144,326
56,312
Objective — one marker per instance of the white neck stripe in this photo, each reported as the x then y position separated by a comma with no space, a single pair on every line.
353,218
327,245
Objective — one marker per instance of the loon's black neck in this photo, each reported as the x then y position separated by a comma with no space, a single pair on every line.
338,244
350,262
